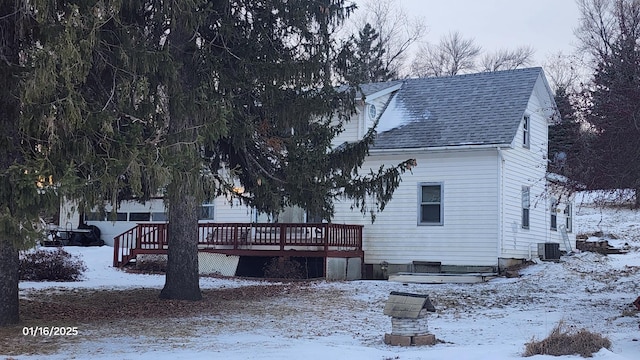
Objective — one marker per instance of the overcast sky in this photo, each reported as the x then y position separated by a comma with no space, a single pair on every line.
545,25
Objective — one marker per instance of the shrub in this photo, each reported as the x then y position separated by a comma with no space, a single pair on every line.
47,265
151,263
566,341
284,268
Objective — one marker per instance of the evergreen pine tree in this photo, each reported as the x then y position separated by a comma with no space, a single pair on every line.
565,152
362,58
11,211
125,99
615,116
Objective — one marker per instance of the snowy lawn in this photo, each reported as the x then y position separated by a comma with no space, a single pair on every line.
245,319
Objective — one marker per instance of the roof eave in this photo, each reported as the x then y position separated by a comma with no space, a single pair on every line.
382,92
439,149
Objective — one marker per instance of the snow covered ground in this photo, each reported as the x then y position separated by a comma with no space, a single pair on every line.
344,320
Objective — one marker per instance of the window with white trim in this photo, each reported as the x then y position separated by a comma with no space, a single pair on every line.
526,205
120,216
554,214
526,129
206,212
568,216
159,216
430,204
139,216
94,216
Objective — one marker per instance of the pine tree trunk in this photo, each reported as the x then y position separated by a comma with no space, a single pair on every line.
10,145
637,204
9,302
182,279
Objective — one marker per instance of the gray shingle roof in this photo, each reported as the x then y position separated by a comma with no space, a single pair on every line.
370,88
474,109
373,88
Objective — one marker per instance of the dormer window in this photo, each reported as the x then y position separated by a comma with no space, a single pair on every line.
372,112
525,131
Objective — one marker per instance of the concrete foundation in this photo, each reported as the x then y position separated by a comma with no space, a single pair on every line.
382,271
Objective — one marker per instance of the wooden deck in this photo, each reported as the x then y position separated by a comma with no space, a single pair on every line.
242,239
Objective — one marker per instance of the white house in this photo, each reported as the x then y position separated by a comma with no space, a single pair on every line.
479,197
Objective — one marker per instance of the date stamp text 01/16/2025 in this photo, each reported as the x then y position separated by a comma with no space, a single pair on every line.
50,331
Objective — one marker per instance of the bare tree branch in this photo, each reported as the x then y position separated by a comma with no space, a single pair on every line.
451,56
597,26
506,59
398,32
563,72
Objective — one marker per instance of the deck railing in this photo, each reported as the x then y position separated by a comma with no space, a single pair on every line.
229,237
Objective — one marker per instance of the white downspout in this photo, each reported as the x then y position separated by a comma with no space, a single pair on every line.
500,202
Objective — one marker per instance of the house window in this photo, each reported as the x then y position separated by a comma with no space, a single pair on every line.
372,112
206,212
139,216
313,218
94,216
526,204
158,216
119,216
568,217
526,123
554,214
430,204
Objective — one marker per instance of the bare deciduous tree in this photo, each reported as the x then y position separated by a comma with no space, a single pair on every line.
563,72
506,59
597,26
397,31
451,56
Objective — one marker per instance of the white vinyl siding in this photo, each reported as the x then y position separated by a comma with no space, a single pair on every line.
131,212
228,212
357,127
469,232
526,167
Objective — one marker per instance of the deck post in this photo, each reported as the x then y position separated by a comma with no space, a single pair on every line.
116,247
325,235
235,237
161,239
283,236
